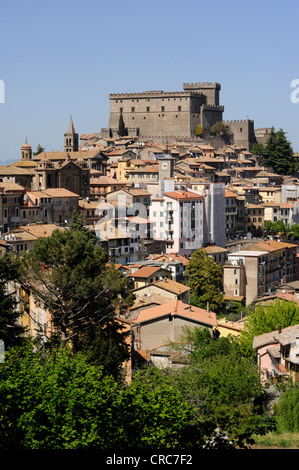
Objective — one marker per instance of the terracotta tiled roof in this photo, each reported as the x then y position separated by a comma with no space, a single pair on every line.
178,308
269,245
215,249
40,230
10,186
60,192
172,286
183,195
145,271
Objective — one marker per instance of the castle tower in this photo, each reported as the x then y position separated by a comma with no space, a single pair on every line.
71,138
26,151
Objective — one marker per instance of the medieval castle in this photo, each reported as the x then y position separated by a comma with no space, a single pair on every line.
170,116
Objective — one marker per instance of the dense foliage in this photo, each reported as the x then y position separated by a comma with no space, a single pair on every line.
264,319
58,400
122,131
10,331
68,272
205,280
287,410
218,128
278,153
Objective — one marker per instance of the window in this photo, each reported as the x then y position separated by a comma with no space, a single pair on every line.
162,109
132,110
236,281
179,108
147,109
161,214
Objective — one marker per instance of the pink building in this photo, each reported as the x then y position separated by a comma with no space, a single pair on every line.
278,353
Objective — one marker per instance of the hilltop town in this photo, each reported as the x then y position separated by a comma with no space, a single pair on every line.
170,185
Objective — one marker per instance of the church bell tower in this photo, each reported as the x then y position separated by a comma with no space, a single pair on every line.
71,140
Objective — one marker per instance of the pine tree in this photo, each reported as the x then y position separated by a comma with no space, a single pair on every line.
68,272
39,150
121,126
278,153
10,330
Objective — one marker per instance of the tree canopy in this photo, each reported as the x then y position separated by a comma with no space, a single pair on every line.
10,330
205,280
69,273
218,128
39,149
122,131
264,319
278,153
198,130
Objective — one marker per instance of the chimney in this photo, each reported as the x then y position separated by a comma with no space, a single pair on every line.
208,306
279,329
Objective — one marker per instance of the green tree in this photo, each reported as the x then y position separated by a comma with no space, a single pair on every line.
278,153
205,280
198,130
156,414
39,149
264,319
59,400
295,231
224,386
218,128
55,401
257,149
106,347
287,410
121,126
11,332
68,272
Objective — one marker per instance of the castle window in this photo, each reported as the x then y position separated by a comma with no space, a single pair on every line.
132,110
121,109
241,130
162,108
147,109
179,108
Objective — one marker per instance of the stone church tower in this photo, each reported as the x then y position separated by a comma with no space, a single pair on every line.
26,151
71,139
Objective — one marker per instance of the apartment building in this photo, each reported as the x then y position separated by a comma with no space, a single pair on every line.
11,196
266,266
255,219
178,217
277,211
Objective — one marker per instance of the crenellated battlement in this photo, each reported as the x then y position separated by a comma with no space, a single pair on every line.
213,106
236,121
201,85
144,94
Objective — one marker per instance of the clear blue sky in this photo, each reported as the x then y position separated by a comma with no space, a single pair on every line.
64,57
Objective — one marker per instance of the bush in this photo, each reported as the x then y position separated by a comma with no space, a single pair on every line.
287,410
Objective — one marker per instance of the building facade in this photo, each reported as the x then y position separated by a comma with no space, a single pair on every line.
159,114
